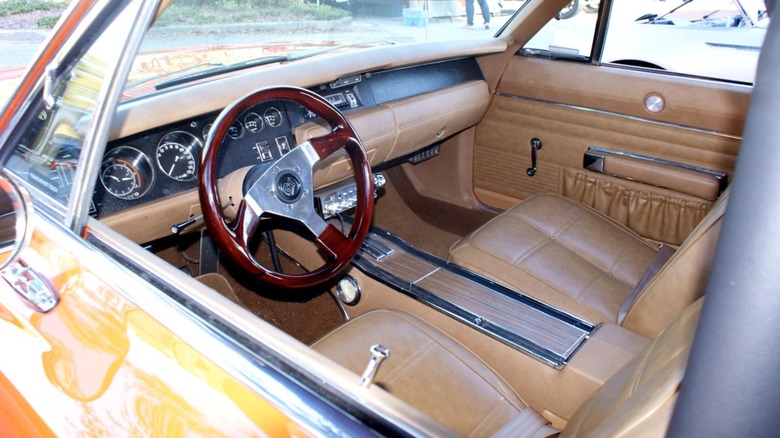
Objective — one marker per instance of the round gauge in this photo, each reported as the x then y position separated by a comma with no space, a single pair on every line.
177,155
126,173
273,117
206,130
236,130
253,122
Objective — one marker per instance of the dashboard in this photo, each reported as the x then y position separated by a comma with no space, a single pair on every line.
158,162
164,161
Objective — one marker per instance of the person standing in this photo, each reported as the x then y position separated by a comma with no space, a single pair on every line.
470,13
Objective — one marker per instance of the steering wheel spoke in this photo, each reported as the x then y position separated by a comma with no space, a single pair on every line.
332,242
328,144
245,224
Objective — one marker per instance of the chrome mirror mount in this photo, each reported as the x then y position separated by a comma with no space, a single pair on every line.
15,209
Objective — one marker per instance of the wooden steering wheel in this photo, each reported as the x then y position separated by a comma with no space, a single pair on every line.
284,189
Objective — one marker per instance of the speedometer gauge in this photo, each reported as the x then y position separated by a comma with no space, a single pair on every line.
177,155
126,173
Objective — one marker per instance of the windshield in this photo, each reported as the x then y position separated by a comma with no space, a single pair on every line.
193,39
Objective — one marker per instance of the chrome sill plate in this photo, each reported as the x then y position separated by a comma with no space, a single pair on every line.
544,332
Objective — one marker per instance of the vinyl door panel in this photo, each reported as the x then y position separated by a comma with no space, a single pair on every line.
533,101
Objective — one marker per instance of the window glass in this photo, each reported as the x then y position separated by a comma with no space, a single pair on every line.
48,152
712,38
570,34
718,39
214,36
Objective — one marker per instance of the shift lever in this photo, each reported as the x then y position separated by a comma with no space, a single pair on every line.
176,229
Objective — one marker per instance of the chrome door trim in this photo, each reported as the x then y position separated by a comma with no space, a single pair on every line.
599,152
623,116
249,368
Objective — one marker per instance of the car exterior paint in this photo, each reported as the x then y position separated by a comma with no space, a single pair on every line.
98,364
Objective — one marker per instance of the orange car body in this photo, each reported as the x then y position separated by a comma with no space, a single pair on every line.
98,364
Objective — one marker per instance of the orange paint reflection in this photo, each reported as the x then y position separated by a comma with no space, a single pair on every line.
88,341
127,374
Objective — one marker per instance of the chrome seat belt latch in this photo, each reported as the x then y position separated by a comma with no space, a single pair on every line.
378,355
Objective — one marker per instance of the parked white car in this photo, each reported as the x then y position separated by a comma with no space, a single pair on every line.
689,36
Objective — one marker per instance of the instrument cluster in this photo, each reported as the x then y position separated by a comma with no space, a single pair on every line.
165,161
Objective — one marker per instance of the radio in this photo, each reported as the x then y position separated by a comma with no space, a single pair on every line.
341,197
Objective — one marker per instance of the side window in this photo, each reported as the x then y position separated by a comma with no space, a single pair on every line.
718,39
569,35
47,154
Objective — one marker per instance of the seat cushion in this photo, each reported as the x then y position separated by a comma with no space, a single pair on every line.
561,252
433,373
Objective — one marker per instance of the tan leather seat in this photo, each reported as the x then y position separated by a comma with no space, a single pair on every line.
578,260
427,369
441,378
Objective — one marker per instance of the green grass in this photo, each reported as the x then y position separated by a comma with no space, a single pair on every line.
198,12
47,22
15,7
245,11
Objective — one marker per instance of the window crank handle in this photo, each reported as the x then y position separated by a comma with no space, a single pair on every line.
536,144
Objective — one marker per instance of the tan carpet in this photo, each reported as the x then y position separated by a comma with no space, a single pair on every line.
304,314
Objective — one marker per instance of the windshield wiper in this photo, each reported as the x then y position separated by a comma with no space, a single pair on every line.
162,75
315,52
290,57
220,69
655,17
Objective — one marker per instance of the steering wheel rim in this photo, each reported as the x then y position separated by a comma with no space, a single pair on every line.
233,239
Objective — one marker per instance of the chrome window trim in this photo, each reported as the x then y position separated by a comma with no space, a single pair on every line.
95,140
76,212
40,199
30,98
623,116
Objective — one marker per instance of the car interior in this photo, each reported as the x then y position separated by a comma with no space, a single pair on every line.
509,245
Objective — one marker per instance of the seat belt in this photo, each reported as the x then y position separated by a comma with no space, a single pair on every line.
661,257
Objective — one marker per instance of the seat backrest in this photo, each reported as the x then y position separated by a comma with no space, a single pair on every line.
639,399
681,280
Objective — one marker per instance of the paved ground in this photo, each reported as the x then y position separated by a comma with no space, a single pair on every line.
19,46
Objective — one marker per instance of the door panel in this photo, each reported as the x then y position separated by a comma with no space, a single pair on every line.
604,108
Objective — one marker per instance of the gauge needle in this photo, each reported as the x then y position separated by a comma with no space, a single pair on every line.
173,165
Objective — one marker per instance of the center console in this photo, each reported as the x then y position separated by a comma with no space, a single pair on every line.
529,325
